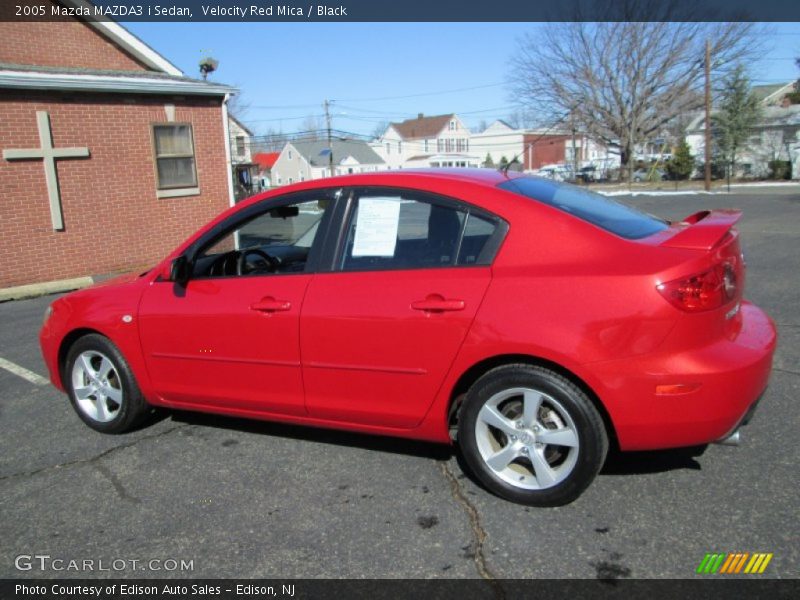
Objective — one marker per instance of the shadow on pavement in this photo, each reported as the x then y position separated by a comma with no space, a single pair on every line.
654,461
319,435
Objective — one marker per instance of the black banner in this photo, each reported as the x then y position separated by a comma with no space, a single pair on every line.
403,10
465,589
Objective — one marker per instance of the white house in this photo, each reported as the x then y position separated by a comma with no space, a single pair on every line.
245,171
497,141
438,141
302,160
773,138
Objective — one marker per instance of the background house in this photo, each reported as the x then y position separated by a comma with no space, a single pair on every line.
265,161
302,160
245,171
438,141
773,138
110,155
498,141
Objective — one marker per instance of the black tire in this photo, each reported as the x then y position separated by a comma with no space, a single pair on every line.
560,401
126,409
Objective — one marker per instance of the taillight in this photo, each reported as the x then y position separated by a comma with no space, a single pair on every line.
706,291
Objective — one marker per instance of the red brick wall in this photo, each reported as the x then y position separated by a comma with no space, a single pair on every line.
66,43
113,219
546,150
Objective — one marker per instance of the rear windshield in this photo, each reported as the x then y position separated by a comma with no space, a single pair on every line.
596,209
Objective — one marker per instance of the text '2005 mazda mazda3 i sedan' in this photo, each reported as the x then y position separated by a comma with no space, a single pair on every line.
531,322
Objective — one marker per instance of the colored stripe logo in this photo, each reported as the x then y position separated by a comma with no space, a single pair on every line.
734,563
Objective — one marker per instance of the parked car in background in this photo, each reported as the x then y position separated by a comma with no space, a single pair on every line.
649,174
555,172
587,174
532,323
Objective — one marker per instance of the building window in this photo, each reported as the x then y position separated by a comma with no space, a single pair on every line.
301,176
291,181
400,147
290,155
426,145
240,145
439,144
174,153
388,148
452,125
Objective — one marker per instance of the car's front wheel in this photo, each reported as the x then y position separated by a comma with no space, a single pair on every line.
531,435
101,386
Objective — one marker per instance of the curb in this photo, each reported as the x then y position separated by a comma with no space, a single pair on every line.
35,290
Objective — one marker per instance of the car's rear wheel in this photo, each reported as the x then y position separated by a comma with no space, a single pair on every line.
101,386
531,435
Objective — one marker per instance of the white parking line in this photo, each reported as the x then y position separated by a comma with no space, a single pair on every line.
22,372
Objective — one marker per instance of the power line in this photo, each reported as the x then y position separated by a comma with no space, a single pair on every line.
437,93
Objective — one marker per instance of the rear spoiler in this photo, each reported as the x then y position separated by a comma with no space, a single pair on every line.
704,229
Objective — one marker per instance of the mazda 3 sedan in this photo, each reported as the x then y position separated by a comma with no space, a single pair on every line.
530,322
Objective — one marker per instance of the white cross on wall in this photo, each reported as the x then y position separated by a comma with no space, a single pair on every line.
48,154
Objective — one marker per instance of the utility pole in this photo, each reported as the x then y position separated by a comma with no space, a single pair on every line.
574,154
330,145
708,118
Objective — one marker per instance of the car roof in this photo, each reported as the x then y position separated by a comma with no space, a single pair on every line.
487,177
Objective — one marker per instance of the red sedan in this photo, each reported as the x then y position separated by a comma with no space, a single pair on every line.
532,322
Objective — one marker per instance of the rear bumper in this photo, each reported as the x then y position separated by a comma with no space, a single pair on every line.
693,397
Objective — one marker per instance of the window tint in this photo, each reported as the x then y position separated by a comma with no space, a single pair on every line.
277,241
394,231
477,232
596,209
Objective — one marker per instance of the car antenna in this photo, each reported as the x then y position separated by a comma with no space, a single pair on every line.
504,168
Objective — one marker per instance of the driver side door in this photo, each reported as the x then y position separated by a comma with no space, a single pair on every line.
229,338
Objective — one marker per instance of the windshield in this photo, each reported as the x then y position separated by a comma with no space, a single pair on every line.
589,206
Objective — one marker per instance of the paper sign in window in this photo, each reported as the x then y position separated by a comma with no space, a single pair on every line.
376,227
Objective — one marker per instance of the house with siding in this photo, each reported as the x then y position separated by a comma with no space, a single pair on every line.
775,137
437,141
109,154
312,159
245,170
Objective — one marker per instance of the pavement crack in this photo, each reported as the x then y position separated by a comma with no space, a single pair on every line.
478,532
118,485
92,459
790,372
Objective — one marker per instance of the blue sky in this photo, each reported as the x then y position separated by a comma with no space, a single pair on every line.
286,70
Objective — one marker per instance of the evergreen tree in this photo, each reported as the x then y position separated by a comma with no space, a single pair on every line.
681,165
488,162
739,112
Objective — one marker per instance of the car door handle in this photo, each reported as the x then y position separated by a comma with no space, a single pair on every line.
437,303
270,304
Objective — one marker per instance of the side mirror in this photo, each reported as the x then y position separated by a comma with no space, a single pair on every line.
180,270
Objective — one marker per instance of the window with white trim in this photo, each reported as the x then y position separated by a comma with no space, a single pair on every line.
173,146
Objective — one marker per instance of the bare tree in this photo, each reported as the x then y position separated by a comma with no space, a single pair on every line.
379,129
623,81
313,127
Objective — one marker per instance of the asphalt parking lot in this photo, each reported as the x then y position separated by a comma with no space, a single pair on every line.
258,500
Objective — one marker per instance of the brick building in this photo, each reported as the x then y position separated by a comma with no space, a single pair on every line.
110,155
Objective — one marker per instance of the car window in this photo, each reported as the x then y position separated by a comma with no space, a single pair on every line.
393,230
276,241
477,232
589,206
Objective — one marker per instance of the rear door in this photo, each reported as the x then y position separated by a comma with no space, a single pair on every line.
380,331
